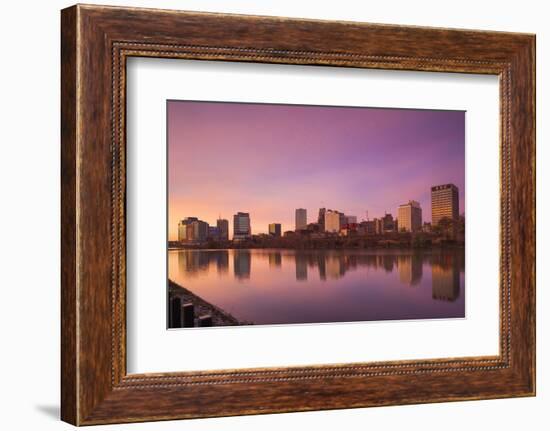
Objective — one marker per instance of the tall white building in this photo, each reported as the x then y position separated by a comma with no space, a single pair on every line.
301,219
332,221
410,217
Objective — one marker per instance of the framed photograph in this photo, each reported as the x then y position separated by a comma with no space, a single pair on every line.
288,259
266,215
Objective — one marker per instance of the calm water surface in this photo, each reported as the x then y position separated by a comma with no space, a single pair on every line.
293,286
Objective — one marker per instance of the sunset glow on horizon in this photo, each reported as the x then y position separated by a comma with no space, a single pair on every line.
268,160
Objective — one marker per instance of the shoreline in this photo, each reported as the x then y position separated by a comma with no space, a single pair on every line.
220,317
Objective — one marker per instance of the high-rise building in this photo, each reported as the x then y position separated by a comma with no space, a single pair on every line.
410,217
241,226
387,223
444,203
321,219
182,227
223,228
301,219
275,229
332,221
197,231
192,229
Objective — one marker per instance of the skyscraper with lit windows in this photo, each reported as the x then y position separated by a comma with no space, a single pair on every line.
444,203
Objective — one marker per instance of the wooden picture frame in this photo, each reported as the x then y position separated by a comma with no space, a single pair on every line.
95,43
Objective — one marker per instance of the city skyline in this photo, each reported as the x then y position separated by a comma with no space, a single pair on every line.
444,198
272,159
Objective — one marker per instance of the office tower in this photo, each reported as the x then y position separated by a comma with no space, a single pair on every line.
241,226
182,231
321,219
301,219
182,227
195,230
388,224
410,217
275,229
223,228
332,221
444,203
351,219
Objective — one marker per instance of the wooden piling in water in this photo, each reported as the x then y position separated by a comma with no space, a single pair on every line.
188,315
175,312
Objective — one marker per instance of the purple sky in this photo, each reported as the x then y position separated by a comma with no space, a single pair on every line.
269,160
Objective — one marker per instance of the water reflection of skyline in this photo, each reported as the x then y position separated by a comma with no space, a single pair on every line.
446,277
445,265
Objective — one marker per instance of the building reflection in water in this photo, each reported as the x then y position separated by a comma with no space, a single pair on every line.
321,264
333,264
194,262
410,269
275,259
222,261
445,277
301,266
388,261
241,264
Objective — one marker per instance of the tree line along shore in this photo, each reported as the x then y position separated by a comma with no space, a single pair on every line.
387,240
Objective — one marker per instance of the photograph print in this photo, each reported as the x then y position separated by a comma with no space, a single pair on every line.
299,214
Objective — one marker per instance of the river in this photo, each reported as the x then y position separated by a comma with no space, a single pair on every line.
272,286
